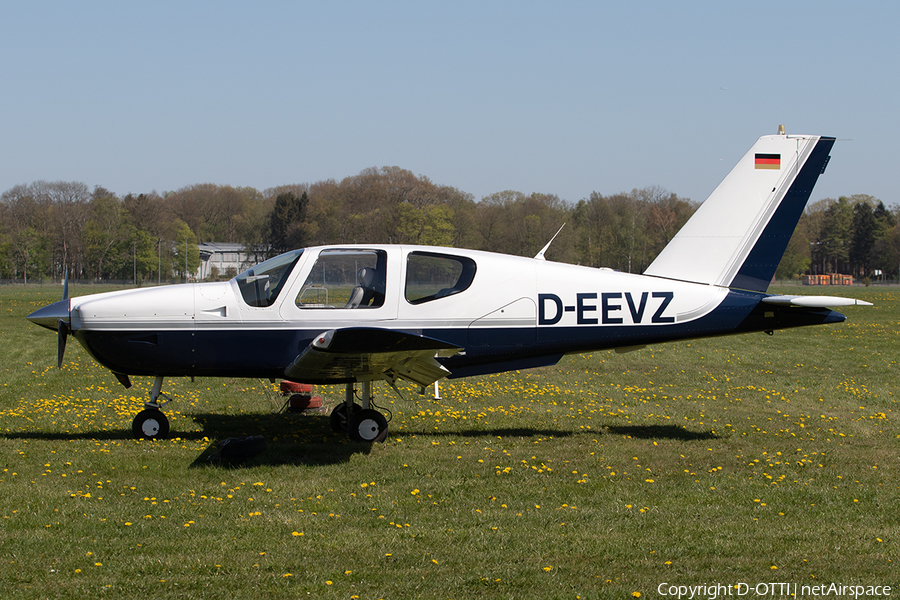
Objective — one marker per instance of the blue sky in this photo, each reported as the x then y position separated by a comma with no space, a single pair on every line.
563,98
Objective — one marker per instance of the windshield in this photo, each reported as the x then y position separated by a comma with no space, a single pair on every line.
261,284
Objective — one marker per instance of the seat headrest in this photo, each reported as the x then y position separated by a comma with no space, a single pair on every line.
366,277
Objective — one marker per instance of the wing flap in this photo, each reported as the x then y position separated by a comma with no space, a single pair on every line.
363,353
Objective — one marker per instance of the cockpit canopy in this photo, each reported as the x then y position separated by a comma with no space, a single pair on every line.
355,277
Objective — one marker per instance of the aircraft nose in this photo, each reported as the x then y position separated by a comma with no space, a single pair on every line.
50,315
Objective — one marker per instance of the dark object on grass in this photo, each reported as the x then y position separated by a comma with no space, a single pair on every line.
238,449
292,387
301,402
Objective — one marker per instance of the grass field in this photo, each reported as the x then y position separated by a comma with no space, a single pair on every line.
749,459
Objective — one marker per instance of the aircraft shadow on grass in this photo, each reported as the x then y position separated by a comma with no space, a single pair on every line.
307,439
651,432
666,432
290,439
506,432
104,435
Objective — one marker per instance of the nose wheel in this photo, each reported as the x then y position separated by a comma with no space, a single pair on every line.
151,423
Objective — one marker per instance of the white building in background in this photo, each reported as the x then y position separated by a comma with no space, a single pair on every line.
222,257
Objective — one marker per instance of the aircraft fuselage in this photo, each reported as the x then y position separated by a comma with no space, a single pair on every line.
514,313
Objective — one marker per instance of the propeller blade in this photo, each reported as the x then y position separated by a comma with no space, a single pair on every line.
62,330
62,333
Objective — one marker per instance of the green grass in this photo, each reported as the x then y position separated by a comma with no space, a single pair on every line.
744,459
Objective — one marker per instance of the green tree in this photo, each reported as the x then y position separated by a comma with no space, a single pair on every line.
862,239
186,255
148,254
426,225
666,213
286,222
7,261
884,255
463,208
613,231
105,229
796,259
836,235
33,253
514,223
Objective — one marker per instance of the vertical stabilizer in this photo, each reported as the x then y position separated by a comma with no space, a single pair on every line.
738,236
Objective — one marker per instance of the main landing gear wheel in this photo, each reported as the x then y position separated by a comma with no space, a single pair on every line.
339,417
150,424
367,425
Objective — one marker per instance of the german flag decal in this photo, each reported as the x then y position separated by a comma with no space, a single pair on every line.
768,161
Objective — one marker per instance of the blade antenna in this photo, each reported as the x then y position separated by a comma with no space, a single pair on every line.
540,255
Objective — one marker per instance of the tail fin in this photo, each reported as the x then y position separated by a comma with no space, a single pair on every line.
738,236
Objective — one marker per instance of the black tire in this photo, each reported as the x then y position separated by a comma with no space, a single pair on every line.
367,426
339,417
150,424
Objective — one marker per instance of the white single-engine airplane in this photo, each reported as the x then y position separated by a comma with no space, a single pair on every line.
362,313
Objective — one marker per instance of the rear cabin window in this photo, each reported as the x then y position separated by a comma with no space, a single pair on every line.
345,279
431,276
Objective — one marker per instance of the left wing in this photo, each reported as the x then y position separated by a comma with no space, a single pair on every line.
368,353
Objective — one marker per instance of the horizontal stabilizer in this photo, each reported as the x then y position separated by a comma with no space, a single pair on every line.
814,301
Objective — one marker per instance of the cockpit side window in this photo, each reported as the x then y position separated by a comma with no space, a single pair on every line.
345,278
260,285
431,276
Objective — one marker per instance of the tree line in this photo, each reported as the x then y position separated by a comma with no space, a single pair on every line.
50,228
